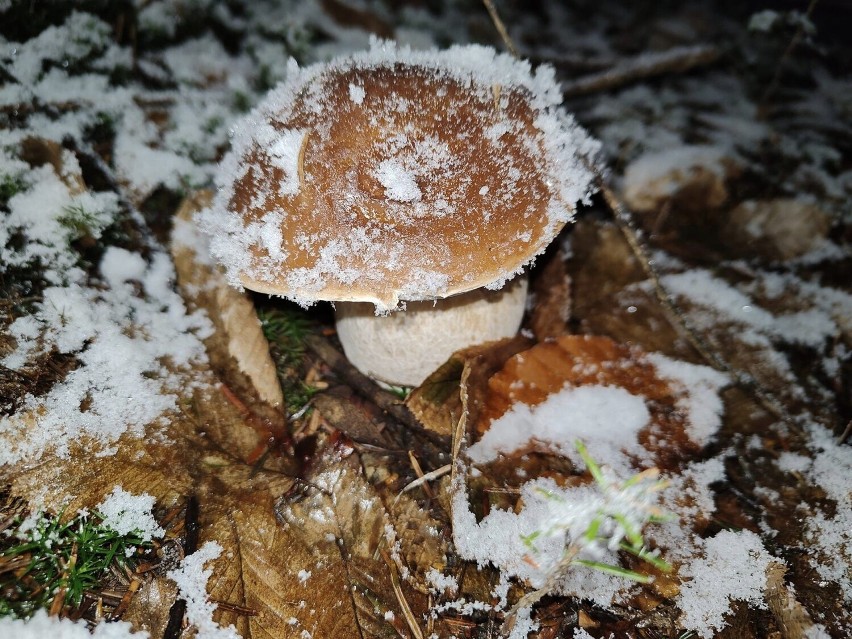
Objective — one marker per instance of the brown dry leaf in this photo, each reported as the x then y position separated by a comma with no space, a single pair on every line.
577,360
345,536
437,402
238,347
606,301
793,620
696,182
81,480
149,607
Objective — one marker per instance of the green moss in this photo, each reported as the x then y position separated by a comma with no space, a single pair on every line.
285,330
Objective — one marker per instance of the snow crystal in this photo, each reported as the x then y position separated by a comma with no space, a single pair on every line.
830,536
356,93
810,328
121,383
557,516
40,625
666,168
284,152
700,399
145,168
523,624
439,583
763,20
191,579
733,568
126,513
399,184
793,462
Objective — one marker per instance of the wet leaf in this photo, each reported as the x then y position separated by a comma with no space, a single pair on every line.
438,401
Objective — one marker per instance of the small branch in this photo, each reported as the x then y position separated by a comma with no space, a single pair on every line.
124,604
410,618
424,479
675,60
845,433
627,226
501,28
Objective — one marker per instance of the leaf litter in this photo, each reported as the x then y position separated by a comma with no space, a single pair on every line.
138,403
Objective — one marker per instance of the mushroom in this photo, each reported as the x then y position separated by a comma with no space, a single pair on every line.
389,180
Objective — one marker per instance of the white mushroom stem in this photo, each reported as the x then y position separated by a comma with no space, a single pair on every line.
403,348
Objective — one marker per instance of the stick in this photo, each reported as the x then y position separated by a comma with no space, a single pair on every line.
501,28
675,60
794,42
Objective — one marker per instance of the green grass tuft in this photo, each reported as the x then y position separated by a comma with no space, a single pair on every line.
47,558
80,222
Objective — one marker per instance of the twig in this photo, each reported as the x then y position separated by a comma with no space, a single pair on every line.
845,433
627,226
236,609
125,599
410,619
501,28
675,60
423,479
677,319
415,465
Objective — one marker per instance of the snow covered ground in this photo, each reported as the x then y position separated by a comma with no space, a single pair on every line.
108,113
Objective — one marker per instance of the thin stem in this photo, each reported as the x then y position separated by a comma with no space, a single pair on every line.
501,28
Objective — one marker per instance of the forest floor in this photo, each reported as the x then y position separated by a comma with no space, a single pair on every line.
692,330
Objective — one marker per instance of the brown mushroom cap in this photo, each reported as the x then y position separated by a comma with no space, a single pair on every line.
397,177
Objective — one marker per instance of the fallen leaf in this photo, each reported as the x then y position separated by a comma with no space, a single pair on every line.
238,337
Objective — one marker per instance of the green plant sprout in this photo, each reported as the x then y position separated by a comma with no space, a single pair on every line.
80,222
614,520
50,564
402,392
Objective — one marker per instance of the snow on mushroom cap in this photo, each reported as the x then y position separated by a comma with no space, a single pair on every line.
398,175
